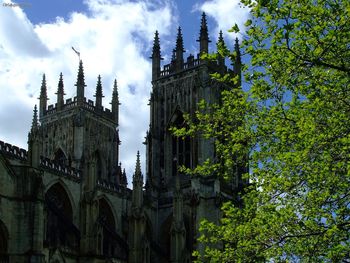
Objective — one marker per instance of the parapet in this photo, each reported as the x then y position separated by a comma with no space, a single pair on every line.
45,163
85,104
13,151
105,185
190,63
60,169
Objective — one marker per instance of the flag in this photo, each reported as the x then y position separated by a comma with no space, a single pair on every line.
78,53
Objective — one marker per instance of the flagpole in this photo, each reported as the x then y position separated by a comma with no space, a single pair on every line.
77,52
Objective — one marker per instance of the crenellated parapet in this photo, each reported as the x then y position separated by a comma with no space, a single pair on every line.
86,104
13,151
79,101
190,63
170,68
106,186
179,65
60,169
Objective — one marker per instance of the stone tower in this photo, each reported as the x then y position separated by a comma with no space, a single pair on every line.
79,132
68,193
178,200
66,198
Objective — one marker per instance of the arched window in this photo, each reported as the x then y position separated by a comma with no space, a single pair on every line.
60,230
106,219
60,157
181,147
111,244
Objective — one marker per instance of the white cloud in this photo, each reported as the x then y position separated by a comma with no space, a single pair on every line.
226,13
112,39
17,34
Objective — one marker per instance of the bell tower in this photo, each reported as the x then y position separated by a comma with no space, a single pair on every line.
177,88
79,132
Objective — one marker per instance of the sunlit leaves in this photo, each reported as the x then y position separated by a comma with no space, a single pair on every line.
294,122
234,29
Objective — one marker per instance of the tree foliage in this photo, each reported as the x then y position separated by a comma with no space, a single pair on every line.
294,121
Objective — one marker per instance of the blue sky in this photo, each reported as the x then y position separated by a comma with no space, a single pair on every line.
115,39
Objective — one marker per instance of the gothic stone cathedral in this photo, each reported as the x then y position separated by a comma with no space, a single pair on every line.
66,199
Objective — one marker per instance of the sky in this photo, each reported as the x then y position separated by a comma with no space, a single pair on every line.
114,38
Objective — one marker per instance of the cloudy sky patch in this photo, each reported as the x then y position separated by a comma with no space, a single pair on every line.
114,38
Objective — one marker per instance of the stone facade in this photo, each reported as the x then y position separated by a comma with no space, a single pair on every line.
66,199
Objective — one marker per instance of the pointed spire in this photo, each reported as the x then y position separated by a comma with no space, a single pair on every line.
60,89
35,119
34,141
43,97
221,47
221,40
115,102
99,87
124,181
115,94
80,78
98,93
156,45
204,27
80,82
138,174
179,41
60,93
156,57
115,87
203,35
43,90
178,51
137,182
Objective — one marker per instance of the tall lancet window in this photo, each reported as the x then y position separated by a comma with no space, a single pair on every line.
181,147
60,230
60,157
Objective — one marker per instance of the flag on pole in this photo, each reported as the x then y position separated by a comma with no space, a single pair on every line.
78,53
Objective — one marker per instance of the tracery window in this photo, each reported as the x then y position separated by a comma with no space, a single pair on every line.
107,222
59,227
60,157
181,148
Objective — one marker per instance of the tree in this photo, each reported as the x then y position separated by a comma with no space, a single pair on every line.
294,121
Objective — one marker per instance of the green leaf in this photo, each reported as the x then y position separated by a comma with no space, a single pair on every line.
234,29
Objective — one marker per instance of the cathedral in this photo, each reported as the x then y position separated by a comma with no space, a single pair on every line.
66,198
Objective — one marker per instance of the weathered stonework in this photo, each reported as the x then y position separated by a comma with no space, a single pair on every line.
66,198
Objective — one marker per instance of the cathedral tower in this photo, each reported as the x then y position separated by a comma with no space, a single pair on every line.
69,194
182,200
177,89
78,132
